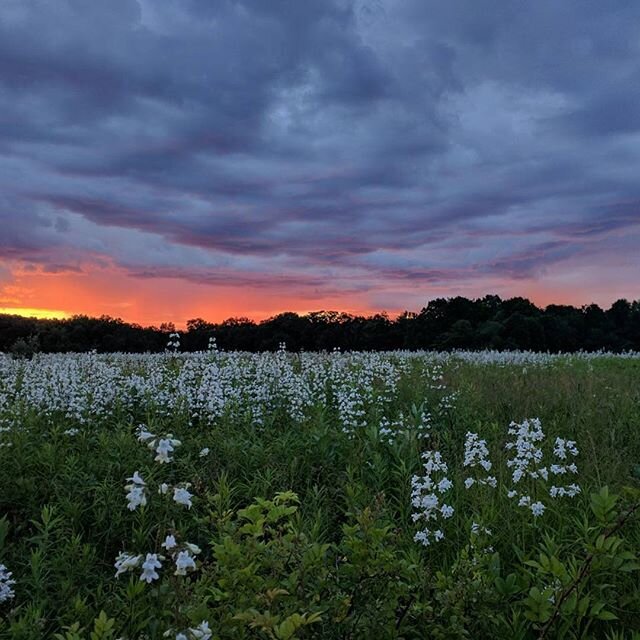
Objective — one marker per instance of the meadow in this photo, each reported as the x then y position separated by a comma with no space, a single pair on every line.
320,495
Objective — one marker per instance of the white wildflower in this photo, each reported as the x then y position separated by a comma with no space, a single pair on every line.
201,632
476,454
6,584
182,496
446,511
126,562
524,501
570,491
562,447
136,492
424,496
136,497
149,566
537,508
422,537
174,342
528,455
527,460
136,479
169,542
561,450
143,434
478,529
184,563
165,448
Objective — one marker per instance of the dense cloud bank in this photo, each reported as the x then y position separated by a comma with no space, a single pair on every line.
395,148
454,323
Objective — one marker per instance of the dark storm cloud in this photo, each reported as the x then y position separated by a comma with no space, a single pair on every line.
223,278
418,141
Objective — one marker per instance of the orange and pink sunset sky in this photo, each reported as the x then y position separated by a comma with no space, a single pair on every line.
161,161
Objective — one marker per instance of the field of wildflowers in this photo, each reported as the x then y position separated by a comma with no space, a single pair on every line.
320,495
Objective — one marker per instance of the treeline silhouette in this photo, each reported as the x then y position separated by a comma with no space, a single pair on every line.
445,323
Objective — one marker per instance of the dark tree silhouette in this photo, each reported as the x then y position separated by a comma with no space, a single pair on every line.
445,323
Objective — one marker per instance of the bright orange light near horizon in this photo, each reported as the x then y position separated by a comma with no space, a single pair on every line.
41,314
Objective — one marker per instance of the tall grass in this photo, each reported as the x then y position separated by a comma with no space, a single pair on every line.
338,545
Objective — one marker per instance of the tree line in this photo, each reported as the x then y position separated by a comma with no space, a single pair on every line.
445,323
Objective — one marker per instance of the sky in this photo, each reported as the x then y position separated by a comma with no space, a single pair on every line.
162,160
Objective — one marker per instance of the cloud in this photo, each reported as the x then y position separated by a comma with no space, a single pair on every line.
324,147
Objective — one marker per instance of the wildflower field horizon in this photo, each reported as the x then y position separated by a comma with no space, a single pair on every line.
320,495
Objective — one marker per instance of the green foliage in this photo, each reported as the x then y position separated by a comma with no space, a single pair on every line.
264,573
103,629
569,589
306,531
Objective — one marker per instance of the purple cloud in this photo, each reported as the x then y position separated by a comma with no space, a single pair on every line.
328,146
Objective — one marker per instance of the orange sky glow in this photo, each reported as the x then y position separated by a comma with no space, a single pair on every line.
152,301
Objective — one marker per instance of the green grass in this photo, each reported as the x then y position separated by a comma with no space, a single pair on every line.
65,519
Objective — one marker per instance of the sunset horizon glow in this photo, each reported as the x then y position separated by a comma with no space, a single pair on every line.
145,304
39,314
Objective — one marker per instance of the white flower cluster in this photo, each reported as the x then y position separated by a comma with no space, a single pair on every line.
537,507
417,424
181,494
164,447
136,491
425,496
174,342
354,384
6,584
479,538
528,455
389,430
448,402
126,562
527,462
478,530
87,388
183,556
476,455
4,443
351,410
201,632
562,449
422,424
435,377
